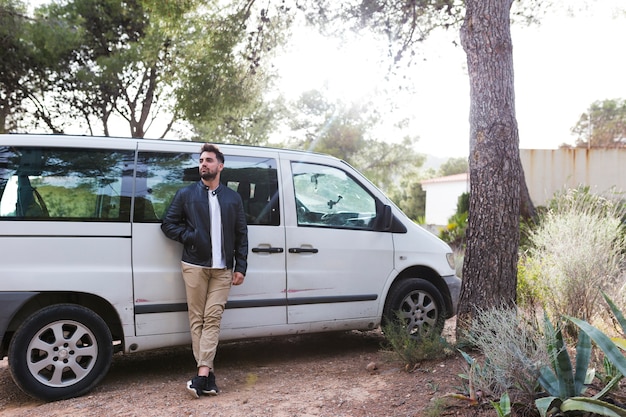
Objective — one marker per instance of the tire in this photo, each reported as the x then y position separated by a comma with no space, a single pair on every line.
59,352
416,304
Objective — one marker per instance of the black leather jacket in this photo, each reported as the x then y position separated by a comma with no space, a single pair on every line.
187,221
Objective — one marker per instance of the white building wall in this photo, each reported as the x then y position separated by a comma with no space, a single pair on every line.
442,196
547,171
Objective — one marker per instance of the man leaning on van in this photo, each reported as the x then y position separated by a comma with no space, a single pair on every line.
208,218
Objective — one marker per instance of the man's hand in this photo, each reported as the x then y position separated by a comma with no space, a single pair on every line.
237,278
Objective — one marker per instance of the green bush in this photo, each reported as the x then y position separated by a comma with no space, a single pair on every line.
532,365
454,232
576,250
531,290
411,350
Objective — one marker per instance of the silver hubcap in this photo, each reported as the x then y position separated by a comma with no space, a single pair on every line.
419,312
62,353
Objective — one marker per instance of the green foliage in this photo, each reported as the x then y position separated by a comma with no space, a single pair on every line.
455,230
530,286
576,250
518,355
20,58
474,376
454,166
410,197
107,61
561,380
384,162
503,407
603,125
403,27
436,408
462,205
575,406
250,124
214,80
343,130
411,350
565,386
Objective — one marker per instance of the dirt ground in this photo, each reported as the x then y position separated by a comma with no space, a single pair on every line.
309,375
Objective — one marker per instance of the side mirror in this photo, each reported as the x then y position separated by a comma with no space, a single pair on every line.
386,219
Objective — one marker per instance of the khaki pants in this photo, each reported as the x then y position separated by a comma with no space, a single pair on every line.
207,291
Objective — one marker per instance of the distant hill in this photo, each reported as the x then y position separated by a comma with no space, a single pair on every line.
433,162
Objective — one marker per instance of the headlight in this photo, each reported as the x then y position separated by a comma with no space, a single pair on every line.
450,259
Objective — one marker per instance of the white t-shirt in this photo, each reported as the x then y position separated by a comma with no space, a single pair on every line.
216,232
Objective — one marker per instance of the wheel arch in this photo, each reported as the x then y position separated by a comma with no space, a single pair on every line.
430,275
45,299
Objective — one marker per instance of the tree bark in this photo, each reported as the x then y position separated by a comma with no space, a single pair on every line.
490,266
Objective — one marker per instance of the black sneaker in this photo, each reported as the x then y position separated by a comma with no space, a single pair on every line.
210,388
196,385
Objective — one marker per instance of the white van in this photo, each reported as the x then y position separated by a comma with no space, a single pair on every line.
85,270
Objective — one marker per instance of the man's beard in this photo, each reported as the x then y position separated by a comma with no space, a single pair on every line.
208,176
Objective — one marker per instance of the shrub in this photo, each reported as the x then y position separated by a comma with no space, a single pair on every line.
454,232
533,365
530,288
412,350
576,251
514,350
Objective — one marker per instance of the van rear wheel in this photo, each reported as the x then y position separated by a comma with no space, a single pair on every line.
416,304
61,351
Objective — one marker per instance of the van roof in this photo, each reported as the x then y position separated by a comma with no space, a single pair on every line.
67,137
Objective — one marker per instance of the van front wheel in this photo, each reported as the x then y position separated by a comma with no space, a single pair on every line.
416,304
61,351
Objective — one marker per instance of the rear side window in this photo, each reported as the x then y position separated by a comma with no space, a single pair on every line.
161,174
41,183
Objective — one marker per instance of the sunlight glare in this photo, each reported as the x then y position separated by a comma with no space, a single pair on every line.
349,71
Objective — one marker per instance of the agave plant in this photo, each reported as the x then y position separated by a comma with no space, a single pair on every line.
563,382
566,387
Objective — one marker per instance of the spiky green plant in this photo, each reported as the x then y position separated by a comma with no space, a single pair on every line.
566,387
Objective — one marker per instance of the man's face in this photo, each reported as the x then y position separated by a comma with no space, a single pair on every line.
210,166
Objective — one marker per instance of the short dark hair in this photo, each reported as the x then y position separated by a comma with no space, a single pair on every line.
209,147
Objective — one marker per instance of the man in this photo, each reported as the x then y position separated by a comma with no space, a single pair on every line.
209,220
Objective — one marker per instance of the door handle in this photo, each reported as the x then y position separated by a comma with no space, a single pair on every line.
267,250
303,250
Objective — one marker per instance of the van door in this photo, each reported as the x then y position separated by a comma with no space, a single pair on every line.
337,263
160,302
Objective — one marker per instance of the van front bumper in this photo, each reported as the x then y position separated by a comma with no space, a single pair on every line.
454,286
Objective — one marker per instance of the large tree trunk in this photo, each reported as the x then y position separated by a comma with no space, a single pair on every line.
490,267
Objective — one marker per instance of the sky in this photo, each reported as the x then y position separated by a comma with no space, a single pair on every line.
561,67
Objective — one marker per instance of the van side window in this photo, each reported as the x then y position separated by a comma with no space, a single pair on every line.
161,174
41,183
329,197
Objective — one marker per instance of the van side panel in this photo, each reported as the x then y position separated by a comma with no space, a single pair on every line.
337,261
159,291
71,258
65,222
